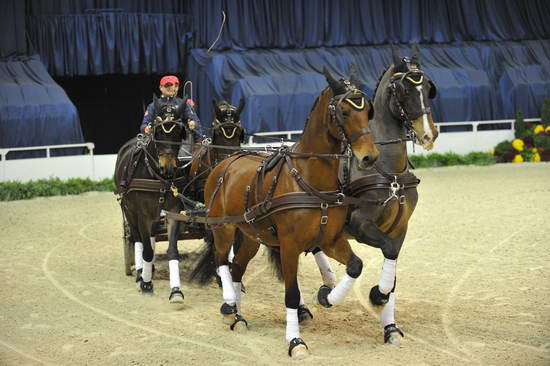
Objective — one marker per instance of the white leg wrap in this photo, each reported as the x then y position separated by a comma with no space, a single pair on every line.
237,287
300,290
153,244
292,327
138,254
338,294
387,315
387,277
329,278
174,266
147,273
231,255
227,284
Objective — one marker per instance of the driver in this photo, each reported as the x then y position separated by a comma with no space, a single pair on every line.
169,86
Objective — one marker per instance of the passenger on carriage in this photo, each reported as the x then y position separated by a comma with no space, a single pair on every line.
169,86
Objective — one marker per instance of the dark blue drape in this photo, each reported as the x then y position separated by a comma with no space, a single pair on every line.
41,7
110,43
475,80
12,29
34,110
328,23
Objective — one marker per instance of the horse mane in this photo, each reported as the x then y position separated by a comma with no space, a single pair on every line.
313,108
379,81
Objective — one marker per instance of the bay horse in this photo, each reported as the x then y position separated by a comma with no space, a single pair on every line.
402,113
290,200
146,174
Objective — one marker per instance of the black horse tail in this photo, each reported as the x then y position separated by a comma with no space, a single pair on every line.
274,257
205,269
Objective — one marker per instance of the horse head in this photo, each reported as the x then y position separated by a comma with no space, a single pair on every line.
168,131
349,112
227,129
410,94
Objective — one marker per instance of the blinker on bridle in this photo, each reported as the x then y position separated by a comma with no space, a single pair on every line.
230,122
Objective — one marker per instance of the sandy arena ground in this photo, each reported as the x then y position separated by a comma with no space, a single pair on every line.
473,287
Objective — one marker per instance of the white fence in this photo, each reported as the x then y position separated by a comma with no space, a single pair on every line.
102,166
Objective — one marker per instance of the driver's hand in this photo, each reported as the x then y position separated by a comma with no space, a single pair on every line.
147,129
191,124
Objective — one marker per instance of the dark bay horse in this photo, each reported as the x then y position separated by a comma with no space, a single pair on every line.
146,172
290,200
402,113
227,130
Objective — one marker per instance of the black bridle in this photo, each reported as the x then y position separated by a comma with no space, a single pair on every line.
336,113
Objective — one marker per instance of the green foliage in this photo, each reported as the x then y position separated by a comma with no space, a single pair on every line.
12,190
545,112
448,159
542,141
520,129
503,148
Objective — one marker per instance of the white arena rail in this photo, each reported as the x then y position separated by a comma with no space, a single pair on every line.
98,167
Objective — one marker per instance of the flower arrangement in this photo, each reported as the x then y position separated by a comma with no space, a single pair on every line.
532,142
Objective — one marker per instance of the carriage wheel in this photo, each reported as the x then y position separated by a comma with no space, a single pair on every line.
128,245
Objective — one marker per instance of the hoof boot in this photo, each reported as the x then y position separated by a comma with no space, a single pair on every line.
297,349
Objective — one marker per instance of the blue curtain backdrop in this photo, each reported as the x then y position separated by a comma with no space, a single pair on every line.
328,23
34,110
50,7
12,29
110,42
475,80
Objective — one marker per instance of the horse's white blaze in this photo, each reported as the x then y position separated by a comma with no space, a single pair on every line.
138,254
174,266
227,284
387,277
329,278
387,314
425,121
338,294
292,327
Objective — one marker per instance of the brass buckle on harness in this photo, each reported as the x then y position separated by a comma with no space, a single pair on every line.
324,219
248,220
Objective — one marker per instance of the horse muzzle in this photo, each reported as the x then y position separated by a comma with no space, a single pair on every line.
167,164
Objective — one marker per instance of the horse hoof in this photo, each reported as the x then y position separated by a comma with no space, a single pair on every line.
176,296
377,298
297,349
239,325
304,315
393,335
228,313
146,288
322,296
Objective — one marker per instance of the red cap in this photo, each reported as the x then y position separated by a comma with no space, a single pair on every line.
169,79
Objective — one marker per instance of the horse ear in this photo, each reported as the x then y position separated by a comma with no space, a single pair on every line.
415,54
354,75
217,110
395,56
241,106
334,85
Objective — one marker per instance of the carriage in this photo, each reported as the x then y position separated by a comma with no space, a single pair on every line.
311,209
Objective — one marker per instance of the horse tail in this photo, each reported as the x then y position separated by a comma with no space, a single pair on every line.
274,257
205,268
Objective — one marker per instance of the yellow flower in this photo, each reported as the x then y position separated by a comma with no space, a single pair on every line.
518,144
518,159
547,129
538,129
536,157
491,152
